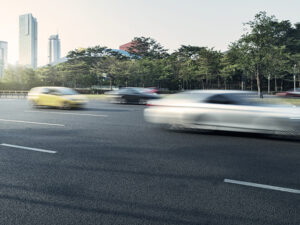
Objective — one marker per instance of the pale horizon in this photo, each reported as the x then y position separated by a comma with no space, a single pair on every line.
172,23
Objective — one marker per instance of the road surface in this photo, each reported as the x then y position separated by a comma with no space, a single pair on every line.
105,165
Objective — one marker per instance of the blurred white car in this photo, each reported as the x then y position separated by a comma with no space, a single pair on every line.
223,110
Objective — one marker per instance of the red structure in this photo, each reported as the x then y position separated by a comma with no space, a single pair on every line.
127,46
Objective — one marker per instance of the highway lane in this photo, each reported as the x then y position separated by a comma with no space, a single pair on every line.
110,167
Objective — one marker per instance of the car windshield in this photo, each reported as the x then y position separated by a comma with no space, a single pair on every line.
188,96
132,91
67,91
202,96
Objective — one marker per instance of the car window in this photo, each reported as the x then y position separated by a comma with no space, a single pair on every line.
66,91
221,99
124,91
44,91
187,96
137,91
53,92
127,91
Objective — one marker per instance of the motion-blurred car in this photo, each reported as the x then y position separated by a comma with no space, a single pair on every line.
60,97
223,110
131,96
290,93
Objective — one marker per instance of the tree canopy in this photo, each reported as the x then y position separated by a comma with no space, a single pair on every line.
269,49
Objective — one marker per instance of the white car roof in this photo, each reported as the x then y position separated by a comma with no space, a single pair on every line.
219,92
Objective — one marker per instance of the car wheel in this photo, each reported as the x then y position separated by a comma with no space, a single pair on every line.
123,101
204,122
114,100
142,101
172,127
32,103
66,105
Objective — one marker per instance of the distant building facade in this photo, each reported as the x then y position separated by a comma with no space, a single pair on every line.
3,57
127,46
28,42
54,49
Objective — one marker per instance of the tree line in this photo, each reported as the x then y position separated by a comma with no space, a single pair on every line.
266,57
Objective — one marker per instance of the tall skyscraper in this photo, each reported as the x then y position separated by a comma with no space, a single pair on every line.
28,40
3,57
54,49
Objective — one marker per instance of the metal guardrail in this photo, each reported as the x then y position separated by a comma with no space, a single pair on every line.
13,94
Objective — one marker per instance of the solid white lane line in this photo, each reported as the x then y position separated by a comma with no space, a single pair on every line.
76,114
275,188
30,122
28,148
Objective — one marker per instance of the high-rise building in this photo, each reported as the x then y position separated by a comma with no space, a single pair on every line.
3,57
54,49
28,40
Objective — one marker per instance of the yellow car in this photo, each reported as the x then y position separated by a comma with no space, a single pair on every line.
60,97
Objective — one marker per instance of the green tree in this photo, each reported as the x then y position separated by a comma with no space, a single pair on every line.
20,78
257,44
147,47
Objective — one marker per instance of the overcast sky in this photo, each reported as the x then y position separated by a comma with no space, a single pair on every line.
83,23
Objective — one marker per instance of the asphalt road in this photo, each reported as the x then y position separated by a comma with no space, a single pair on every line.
105,165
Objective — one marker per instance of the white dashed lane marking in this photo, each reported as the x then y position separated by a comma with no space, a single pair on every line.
31,122
75,114
264,186
29,148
